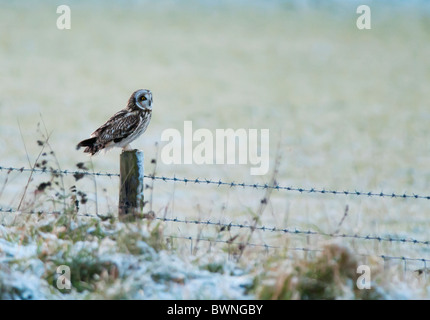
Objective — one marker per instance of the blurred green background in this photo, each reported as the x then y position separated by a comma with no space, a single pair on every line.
336,97
349,108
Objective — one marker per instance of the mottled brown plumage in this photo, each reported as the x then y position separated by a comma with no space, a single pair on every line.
124,126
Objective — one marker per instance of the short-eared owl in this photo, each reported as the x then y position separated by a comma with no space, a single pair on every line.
124,126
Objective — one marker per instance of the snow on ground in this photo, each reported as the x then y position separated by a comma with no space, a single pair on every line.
146,274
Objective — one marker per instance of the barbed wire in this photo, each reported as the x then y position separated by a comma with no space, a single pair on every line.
263,245
32,211
228,226
297,231
304,249
228,184
56,171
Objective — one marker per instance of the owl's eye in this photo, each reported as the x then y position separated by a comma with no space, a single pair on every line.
142,98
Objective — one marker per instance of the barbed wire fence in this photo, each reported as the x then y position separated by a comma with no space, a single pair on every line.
230,184
263,228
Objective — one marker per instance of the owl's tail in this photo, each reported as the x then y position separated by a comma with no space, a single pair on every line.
91,146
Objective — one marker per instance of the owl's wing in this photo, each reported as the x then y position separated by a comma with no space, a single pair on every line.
118,127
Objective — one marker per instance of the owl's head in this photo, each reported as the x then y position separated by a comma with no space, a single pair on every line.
141,99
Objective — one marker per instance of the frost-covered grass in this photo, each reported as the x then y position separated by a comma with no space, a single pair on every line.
349,110
112,260
107,260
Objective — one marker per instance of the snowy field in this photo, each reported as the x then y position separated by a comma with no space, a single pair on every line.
347,110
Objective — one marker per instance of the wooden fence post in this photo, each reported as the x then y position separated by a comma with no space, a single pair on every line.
131,198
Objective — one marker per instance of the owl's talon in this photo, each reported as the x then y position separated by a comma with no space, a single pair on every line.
127,148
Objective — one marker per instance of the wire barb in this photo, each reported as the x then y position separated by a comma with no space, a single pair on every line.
273,229
262,228
267,246
219,183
